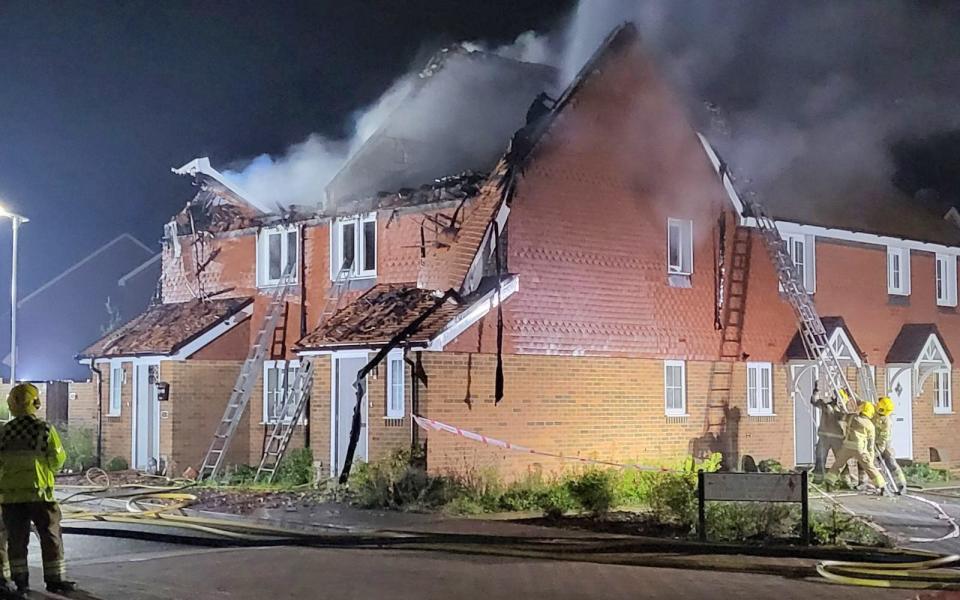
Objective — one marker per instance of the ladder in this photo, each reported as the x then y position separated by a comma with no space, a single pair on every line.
811,327
240,396
296,396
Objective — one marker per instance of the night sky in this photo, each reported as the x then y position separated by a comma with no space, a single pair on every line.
98,100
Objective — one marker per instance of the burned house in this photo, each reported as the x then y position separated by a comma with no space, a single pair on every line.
601,292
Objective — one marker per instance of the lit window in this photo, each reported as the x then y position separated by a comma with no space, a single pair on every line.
759,389
278,255
353,247
116,389
801,250
946,280
675,387
898,271
278,380
679,246
395,386
942,397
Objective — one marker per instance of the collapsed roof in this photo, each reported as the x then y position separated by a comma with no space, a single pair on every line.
463,108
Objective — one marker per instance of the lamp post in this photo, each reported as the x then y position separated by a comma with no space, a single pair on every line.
16,221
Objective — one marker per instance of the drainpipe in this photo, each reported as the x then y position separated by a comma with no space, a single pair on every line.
303,320
99,374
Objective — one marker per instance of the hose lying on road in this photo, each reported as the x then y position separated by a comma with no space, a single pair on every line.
922,575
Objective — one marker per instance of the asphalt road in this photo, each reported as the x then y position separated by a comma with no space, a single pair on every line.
133,570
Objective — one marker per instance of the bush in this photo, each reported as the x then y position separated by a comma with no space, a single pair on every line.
117,463
80,445
296,468
742,521
835,528
594,490
673,494
240,475
924,473
399,482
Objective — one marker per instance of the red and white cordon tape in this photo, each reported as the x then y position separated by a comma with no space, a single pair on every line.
431,425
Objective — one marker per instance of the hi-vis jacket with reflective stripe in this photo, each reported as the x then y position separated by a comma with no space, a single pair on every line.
30,455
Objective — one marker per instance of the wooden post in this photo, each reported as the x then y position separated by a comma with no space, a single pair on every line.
804,510
702,516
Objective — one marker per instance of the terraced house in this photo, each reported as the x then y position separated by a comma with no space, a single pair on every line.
602,292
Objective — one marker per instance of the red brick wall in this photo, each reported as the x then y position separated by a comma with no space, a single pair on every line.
604,408
233,345
117,431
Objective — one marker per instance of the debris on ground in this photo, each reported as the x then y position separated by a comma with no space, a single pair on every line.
619,522
239,501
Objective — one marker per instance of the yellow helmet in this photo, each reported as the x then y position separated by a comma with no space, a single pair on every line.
867,410
884,406
843,395
24,399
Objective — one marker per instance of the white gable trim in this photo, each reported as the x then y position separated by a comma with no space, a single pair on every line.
839,335
790,227
480,308
933,359
201,165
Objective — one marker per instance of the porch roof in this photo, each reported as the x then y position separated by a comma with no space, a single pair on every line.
796,351
164,329
910,342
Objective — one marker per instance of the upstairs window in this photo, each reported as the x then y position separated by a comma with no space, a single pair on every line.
353,247
898,271
802,253
946,280
679,246
759,389
675,388
278,255
395,385
278,380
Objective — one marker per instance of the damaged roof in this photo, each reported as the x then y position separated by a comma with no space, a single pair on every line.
484,100
379,314
164,329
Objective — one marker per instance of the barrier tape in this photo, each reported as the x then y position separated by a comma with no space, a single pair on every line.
431,425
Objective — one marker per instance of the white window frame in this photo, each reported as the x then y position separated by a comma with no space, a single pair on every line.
804,247
945,280
943,392
898,284
359,247
757,392
115,407
396,378
683,230
263,254
292,366
667,366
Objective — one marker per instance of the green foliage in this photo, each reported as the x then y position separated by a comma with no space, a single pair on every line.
117,463
834,527
399,482
295,469
594,490
240,475
743,521
80,445
673,494
770,465
924,473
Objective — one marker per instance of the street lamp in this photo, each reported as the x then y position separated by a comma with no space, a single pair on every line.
16,220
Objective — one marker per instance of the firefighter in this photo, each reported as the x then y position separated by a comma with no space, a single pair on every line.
883,422
830,430
30,455
859,443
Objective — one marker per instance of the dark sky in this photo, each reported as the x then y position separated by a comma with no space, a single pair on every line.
98,100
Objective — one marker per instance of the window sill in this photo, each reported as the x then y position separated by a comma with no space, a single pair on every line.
114,415
944,412
275,284
394,418
762,416
679,280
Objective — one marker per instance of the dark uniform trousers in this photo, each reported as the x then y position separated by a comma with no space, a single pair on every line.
45,516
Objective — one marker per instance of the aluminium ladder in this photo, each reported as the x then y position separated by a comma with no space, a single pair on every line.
240,396
812,331
297,394
287,420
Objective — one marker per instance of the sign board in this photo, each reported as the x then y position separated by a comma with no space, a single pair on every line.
753,487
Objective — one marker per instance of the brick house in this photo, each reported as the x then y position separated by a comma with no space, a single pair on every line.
631,280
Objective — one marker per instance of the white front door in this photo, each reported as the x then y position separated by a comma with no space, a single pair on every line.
146,417
900,390
345,369
805,415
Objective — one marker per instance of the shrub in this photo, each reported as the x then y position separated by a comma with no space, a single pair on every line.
240,475
834,527
742,521
117,463
673,494
80,446
923,472
594,490
397,482
296,468
770,465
